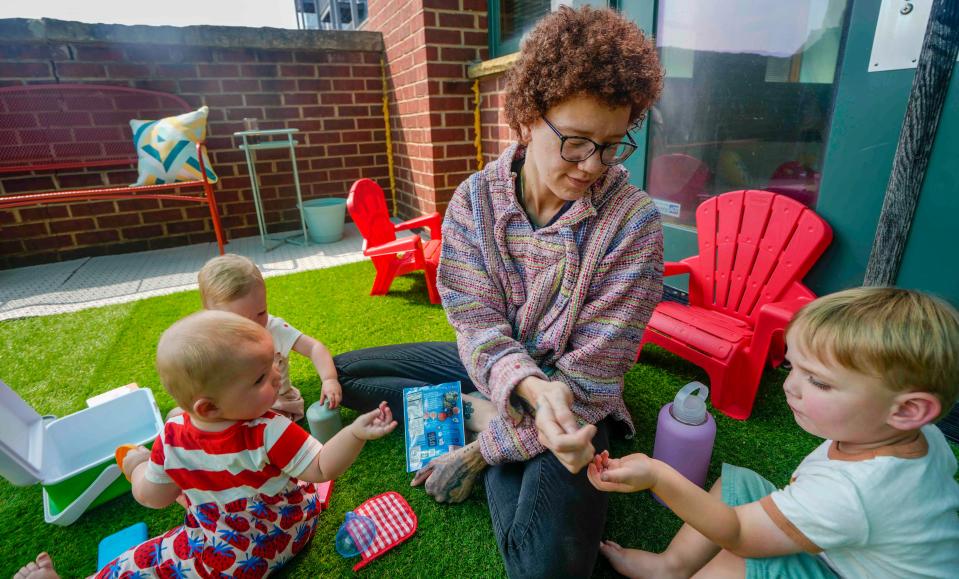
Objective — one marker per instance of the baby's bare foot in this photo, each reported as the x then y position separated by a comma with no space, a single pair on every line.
634,563
42,568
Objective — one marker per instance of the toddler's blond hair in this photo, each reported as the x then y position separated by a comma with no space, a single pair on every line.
226,278
908,339
197,355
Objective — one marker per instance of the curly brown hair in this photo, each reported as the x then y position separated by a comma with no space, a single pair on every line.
586,51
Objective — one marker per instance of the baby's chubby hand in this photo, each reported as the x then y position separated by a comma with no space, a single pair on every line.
134,458
374,424
634,472
331,391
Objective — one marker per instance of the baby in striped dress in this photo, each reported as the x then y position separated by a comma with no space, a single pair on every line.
247,473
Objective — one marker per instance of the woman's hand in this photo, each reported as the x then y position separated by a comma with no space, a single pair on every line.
450,478
634,472
557,426
374,424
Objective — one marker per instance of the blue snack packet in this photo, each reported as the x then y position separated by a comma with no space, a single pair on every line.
434,422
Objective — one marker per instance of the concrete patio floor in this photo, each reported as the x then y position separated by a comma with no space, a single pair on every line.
96,281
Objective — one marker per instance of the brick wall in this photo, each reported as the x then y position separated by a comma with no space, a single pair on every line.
326,84
428,46
495,132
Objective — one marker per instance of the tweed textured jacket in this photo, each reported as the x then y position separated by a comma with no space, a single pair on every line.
566,302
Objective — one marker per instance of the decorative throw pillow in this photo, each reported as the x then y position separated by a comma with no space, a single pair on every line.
166,148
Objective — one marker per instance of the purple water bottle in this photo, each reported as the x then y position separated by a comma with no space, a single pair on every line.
685,433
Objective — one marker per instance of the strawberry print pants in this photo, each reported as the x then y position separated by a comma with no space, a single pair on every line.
246,538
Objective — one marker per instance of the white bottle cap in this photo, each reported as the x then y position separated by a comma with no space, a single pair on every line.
690,409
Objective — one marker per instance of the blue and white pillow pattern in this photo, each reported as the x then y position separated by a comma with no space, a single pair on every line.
167,148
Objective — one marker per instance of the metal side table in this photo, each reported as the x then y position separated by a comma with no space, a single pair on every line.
257,140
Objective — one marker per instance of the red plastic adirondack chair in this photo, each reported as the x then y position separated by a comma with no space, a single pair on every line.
392,256
744,287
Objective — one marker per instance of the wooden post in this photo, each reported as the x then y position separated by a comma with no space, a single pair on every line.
926,99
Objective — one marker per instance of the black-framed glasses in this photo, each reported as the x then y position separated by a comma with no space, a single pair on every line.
577,149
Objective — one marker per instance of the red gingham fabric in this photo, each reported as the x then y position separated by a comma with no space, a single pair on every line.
395,522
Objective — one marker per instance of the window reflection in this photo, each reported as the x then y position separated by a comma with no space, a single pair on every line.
746,100
517,17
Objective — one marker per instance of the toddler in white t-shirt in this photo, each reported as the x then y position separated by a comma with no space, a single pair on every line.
234,284
872,369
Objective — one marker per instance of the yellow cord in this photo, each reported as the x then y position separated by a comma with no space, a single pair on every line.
389,140
477,140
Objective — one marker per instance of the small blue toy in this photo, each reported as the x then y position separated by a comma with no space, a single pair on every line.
114,545
356,534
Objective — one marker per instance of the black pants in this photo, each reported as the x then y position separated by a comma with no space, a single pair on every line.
548,522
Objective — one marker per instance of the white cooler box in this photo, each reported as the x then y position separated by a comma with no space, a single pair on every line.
73,457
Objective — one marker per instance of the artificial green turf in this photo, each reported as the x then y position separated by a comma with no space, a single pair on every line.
55,363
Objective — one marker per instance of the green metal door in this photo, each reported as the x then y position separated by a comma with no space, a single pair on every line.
868,115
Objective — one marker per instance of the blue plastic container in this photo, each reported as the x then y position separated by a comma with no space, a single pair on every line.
116,544
324,219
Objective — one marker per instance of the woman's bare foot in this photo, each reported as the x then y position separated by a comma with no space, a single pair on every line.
635,563
42,568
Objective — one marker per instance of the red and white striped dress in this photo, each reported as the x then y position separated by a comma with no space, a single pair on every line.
247,516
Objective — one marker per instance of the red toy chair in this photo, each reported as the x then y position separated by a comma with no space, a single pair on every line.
392,256
744,287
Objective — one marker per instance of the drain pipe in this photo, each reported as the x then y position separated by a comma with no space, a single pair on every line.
923,111
477,126
389,138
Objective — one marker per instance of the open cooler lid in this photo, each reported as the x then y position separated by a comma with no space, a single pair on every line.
21,439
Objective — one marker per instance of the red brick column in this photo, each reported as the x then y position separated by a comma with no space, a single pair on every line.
428,45
495,132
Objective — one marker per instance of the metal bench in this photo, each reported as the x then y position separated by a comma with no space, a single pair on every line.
56,129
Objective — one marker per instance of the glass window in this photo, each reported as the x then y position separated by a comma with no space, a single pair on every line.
511,19
746,100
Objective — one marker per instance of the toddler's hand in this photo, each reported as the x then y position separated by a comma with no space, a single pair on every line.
133,459
374,424
634,472
331,391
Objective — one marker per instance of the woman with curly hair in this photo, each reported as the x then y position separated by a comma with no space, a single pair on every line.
550,269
